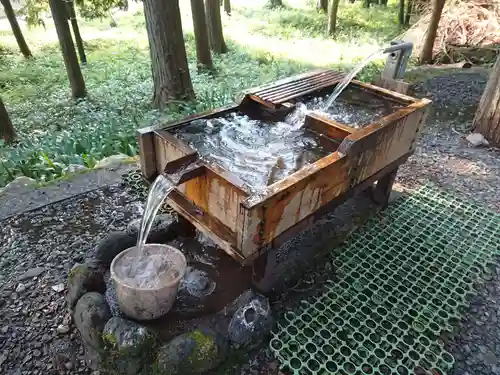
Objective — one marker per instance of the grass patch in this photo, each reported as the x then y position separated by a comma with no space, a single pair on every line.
55,131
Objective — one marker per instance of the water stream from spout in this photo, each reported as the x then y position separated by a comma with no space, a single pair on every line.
348,78
160,189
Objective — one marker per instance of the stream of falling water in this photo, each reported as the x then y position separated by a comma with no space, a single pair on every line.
151,270
348,78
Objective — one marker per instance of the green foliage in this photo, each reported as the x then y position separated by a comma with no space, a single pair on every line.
355,24
92,9
34,10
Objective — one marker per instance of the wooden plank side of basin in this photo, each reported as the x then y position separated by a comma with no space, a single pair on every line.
216,196
323,125
169,149
290,200
374,147
223,236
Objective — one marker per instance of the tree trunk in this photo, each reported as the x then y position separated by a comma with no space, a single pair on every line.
487,119
401,13
428,47
76,31
75,76
409,10
332,18
383,3
171,78
275,3
322,5
16,29
215,34
7,131
227,7
201,34
366,3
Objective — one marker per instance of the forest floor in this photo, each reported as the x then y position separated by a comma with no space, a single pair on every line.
263,45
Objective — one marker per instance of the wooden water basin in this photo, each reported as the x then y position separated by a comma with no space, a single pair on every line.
243,223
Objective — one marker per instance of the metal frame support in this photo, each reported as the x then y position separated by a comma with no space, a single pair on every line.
397,59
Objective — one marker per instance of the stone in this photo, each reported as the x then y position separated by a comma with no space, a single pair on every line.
63,352
19,183
75,168
113,161
58,288
477,139
128,345
20,288
62,329
31,273
112,245
192,353
161,229
252,321
91,315
83,278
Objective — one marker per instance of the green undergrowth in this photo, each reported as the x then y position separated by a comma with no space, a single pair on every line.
54,131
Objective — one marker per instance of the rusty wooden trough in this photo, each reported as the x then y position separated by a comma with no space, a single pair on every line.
244,224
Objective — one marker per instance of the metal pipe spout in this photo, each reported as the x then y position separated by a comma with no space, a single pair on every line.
399,46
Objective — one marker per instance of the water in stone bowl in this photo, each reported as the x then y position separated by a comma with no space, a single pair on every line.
147,284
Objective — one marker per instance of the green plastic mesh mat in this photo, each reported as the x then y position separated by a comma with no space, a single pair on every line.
402,280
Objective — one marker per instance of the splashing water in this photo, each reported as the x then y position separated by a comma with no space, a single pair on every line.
259,153
348,78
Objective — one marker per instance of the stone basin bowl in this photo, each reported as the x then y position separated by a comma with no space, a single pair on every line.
147,303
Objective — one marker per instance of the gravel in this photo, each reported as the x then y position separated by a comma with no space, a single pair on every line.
443,156
37,250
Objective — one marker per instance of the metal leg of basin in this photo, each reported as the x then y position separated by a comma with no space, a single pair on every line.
383,189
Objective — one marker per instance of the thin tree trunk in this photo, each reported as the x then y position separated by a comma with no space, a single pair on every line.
322,5
7,131
401,13
75,76
171,78
76,31
275,3
216,36
203,54
487,118
332,18
16,29
409,10
383,3
428,47
227,7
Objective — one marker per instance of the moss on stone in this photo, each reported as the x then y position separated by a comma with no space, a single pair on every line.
206,347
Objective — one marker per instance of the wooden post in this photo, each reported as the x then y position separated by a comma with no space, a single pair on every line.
383,189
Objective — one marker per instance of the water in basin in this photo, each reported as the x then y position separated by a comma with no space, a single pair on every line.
355,107
259,153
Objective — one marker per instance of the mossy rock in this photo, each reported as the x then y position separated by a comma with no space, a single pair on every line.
192,353
91,315
83,278
128,346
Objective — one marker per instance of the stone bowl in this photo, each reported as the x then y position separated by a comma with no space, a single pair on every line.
147,303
